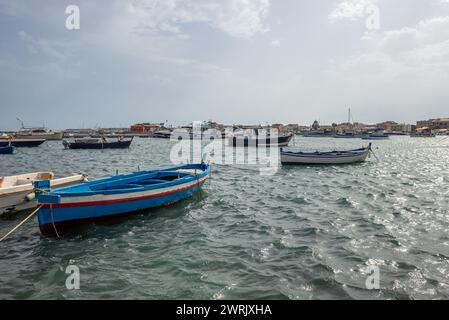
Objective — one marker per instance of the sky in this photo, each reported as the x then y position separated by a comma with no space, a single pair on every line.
231,61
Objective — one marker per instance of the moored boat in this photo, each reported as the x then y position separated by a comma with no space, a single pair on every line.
113,197
258,138
347,134
19,143
94,143
161,134
17,192
318,134
376,136
331,158
422,135
39,133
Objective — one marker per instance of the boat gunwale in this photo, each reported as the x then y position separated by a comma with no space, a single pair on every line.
84,189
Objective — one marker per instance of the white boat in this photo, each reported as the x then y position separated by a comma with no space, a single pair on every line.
39,133
17,192
331,158
376,136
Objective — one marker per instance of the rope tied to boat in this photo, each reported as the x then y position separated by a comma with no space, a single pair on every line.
21,223
53,221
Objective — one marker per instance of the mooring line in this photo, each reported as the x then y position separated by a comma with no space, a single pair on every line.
21,223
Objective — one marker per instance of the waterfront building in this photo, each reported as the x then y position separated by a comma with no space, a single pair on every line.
144,127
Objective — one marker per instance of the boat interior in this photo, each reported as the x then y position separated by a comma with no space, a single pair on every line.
135,181
24,179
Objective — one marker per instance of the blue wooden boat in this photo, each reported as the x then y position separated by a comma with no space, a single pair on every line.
7,150
117,196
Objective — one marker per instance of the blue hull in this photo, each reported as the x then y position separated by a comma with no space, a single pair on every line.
7,150
116,197
67,218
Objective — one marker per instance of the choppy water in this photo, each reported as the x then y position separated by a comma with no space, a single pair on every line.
303,233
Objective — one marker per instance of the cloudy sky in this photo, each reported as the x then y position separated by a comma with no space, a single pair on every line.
233,61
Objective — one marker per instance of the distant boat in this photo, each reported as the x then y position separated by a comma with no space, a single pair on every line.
161,134
376,136
423,135
116,196
7,150
330,158
255,139
348,134
317,134
17,192
94,143
6,141
39,133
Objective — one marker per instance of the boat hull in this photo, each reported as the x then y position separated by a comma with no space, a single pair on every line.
49,136
325,158
7,150
62,217
22,143
281,141
376,138
108,145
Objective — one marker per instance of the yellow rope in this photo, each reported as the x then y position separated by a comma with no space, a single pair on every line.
21,223
53,221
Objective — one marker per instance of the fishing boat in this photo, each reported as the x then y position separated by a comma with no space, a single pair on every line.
39,133
347,134
376,136
17,192
422,135
317,134
161,134
7,150
19,143
331,158
257,139
117,196
94,143
351,131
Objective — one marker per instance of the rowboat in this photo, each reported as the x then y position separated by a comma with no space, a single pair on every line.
117,196
333,157
93,143
17,192
7,150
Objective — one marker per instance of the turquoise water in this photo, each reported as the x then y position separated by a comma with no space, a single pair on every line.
302,233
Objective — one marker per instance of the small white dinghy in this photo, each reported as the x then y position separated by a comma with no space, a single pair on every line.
330,158
17,192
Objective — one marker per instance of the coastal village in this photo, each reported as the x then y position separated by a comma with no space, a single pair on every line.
439,126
